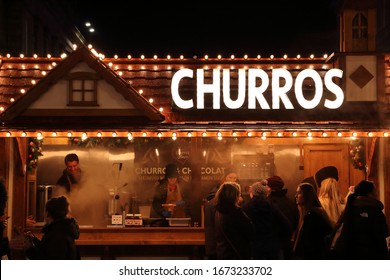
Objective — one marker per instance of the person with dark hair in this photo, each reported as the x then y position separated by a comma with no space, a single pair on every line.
278,196
311,181
230,175
4,245
314,225
364,231
234,229
272,227
70,176
59,234
170,190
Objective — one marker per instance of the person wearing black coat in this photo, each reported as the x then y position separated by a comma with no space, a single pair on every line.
59,234
230,175
314,226
365,229
272,227
278,196
4,245
234,229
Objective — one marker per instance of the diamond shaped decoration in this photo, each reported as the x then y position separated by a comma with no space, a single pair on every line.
361,76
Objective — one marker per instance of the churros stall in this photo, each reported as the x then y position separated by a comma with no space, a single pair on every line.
126,118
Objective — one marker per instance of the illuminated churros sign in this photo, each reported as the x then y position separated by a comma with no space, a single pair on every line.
251,89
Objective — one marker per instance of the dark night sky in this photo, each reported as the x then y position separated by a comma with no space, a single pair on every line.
211,27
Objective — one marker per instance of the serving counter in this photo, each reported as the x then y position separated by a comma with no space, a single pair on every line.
139,242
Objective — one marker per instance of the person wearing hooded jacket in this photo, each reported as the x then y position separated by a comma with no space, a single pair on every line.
272,227
59,234
364,232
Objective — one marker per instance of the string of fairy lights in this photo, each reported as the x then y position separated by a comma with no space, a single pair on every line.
217,134
183,133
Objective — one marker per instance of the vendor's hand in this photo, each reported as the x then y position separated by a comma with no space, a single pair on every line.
180,203
166,214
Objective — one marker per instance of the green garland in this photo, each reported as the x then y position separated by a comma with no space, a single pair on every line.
34,152
91,142
357,154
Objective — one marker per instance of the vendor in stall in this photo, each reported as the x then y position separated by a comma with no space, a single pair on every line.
70,177
168,199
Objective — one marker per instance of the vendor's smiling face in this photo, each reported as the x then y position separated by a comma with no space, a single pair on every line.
72,166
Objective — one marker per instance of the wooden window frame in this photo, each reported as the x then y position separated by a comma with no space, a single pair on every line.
359,29
83,77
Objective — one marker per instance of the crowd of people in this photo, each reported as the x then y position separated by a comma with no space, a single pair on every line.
320,224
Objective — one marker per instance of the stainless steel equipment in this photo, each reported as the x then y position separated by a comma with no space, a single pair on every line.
44,193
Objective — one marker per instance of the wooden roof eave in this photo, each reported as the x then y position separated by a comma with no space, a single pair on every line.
134,97
82,54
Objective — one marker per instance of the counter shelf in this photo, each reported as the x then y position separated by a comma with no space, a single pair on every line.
137,235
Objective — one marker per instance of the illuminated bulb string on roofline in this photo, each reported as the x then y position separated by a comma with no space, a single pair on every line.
199,133
154,57
196,134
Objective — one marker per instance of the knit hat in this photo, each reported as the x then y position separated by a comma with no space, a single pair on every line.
275,183
326,172
260,188
171,171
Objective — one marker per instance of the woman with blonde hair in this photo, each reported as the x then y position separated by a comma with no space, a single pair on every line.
331,200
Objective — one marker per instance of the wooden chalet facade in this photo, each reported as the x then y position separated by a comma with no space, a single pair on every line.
285,116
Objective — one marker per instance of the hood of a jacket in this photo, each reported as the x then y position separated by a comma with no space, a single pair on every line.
364,201
68,225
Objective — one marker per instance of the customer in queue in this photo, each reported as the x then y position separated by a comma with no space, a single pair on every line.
314,225
234,229
272,227
278,196
365,229
59,234
230,175
4,245
331,199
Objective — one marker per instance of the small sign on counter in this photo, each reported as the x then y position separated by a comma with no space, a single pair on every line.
133,220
